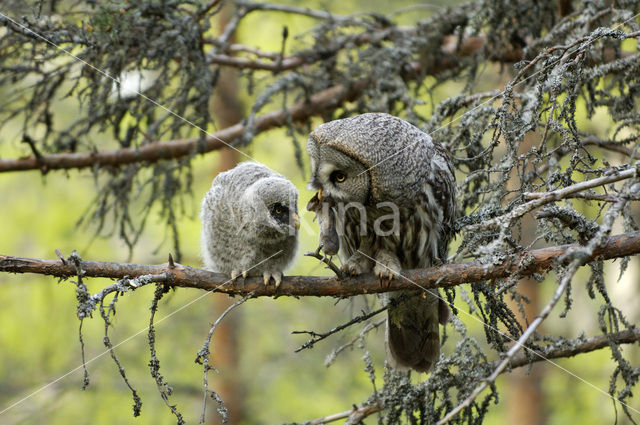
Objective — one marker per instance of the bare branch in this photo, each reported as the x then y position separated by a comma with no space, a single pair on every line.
203,359
591,197
327,260
361,411
569,191
296,10
446,275
245,63
320,336
610,145
369,327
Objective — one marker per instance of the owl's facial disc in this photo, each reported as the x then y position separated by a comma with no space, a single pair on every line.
273,207
339,176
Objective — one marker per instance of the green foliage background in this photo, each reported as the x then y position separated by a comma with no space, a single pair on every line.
39,330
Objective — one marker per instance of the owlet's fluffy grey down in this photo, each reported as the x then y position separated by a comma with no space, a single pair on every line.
250,223
368,168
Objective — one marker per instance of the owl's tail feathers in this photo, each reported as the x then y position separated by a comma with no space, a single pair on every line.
412,334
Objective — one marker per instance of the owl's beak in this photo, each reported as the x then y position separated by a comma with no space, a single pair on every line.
320,194
296,220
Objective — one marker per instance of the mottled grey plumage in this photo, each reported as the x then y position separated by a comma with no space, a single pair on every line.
383,159
250,223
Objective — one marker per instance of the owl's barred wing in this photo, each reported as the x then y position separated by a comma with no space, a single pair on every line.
443,186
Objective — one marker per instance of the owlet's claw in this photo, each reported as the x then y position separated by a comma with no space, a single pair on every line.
245,273
234,274
276,275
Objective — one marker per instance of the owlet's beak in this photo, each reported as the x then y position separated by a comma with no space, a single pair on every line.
296,220
320,194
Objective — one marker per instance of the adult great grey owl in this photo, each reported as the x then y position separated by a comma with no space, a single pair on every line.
394,188
250,223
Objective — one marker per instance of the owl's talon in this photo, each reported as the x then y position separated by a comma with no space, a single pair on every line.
384,278
386,268
265,278
350,269
234,275
358,263
245,273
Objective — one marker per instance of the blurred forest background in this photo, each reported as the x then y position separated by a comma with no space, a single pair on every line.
260,377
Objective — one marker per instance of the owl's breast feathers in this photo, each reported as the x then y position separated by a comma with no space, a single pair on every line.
419,239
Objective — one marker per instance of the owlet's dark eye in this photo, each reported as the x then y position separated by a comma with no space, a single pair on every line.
338,176
280,212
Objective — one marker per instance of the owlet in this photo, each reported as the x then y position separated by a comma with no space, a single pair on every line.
250,223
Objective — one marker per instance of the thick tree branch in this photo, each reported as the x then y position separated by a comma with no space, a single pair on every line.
574,347
320,102
447,275
451,51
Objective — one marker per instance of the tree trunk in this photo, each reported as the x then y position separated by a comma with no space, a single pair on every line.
524,387
227,110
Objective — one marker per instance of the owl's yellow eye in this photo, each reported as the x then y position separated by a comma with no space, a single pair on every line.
278,209
338,176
